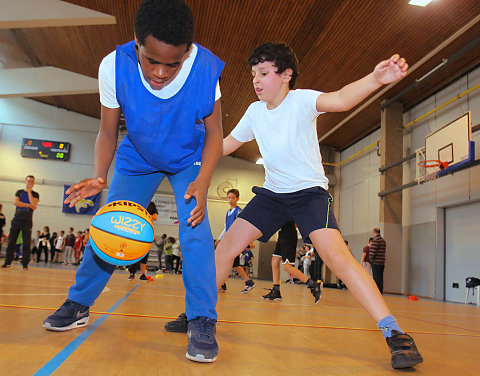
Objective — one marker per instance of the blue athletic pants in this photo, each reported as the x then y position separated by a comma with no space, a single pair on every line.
197,245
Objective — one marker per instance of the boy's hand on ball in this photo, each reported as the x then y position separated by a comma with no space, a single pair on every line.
198,190
86,188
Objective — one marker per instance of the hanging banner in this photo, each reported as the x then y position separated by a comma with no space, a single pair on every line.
167,210
87,205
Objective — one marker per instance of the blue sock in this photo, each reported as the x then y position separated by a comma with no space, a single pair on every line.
387,324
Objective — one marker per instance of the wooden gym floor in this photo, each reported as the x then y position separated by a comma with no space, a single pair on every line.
256,337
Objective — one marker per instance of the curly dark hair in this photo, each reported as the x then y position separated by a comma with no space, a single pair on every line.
281,55
170,21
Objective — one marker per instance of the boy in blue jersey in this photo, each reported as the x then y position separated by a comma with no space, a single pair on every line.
233,196
167,88
295,185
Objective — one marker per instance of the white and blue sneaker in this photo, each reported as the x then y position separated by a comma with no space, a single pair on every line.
202,343
69,316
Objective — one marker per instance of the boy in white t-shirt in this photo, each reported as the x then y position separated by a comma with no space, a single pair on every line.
59,245
284,121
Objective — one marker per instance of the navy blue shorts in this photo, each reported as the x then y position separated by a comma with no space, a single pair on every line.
310,208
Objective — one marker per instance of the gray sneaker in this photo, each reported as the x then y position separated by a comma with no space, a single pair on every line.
249,285
69,316
202,343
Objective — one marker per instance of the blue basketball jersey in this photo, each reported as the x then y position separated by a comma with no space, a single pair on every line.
163,134
231,216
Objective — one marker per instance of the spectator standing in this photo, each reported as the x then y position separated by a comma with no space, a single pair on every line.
233,196
26,201
86,238
248,258
160,247
18,246
53,243
169,254
44,244
142,264
365,262
69,247
307,260
3,221
34,245
377,257
78,247
176,255
59,245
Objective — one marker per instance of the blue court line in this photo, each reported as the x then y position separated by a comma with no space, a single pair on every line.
58,359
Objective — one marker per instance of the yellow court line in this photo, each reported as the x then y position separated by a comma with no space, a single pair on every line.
249,322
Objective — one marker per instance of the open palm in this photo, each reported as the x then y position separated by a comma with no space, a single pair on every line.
86,188
391,70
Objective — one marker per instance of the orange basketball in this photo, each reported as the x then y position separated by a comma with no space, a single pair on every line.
122,232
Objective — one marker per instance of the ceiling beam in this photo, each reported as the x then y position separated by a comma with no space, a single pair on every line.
44,81
48,13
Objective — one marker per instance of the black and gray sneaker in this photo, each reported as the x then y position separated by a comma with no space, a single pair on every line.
404,351
180,325
249,285
273,295
131,276
316,290
202,343
143,278
69,316
223,288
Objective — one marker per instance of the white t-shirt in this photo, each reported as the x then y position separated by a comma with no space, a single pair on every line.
176,249
288,141
107,88
58,244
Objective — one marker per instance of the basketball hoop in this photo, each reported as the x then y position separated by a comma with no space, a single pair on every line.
432,163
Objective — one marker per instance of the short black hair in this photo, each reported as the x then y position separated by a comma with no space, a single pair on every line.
281,55
236,192
152,208
170,21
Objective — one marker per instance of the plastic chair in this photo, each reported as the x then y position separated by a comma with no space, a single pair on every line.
472,283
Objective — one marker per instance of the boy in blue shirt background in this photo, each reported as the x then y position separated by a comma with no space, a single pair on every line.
233,195
167,88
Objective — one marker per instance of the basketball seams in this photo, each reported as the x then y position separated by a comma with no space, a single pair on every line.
121,236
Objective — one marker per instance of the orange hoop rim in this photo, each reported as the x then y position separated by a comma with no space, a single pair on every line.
430,163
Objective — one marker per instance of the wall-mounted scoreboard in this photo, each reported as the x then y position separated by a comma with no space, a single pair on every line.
45,149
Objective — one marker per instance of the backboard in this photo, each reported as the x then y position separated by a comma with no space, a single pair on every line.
450,144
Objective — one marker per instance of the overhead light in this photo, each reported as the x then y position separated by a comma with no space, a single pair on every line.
420,3
260,161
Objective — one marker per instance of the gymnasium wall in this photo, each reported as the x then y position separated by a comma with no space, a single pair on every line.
27,118
422,240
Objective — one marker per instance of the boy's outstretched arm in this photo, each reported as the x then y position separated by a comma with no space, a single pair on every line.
230,144
104,151
212,148
352,94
